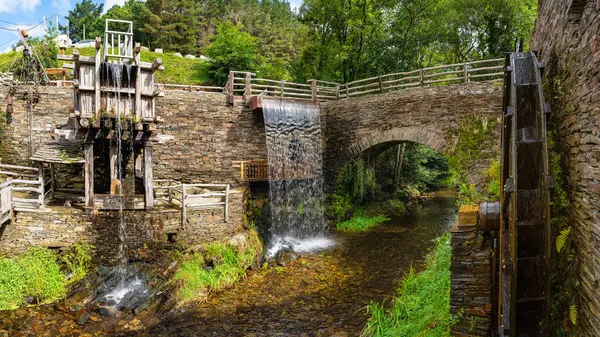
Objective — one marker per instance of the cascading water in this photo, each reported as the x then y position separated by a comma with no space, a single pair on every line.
294,146
122,287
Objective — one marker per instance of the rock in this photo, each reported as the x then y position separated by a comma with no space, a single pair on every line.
191,57
82,316
177,54
106,311
285,256
158,50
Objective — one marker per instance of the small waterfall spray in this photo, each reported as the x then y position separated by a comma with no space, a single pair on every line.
294,145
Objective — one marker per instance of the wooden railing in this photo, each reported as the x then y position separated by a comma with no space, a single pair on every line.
192,196
28,182
246,84
6,209
255,170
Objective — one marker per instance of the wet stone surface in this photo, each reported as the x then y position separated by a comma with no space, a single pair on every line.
323,294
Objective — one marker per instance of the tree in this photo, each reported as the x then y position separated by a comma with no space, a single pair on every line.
85,14
231,49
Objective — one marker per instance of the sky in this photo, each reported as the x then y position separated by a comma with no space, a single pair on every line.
25,14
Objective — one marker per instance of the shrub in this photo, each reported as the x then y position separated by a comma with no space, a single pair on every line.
338,207
34,273
219,266
493,175
468,195
422,304
78,261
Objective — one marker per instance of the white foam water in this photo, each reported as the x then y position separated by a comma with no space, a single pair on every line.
118,294
305,245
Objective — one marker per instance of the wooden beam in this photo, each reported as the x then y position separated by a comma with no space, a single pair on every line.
148,188
88,153
97,64
138,83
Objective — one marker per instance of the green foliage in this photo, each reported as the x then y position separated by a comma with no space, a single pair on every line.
421,306
230,50
573,313
338,207
86,13
360,223
34,273
493,175
78,261
562,238
468,195
219,266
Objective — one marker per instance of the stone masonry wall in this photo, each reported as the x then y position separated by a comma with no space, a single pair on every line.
429,116
59,227
570,46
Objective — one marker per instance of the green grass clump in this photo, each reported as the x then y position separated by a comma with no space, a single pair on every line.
361,223
421,306
220,266
35,273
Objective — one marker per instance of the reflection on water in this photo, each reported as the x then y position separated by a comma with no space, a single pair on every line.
323,294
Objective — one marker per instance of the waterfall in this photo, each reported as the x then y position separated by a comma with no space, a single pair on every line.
294,146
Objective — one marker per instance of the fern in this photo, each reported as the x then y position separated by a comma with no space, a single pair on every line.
573,313
562,239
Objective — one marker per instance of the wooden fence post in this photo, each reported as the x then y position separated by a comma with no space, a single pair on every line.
41,188
347,93
226,215
230,88
422,77
183,207
380,84
337,92
248,88
314,91
466,72
282,88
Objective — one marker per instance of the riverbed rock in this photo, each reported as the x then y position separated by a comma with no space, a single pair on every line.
107,311
285,256
83,316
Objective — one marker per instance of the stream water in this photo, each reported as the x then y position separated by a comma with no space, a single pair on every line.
323,294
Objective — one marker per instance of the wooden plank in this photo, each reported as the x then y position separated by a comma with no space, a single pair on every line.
97,64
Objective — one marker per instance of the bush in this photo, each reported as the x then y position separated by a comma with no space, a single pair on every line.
34,273
422,304
338,207
219,266
78,261
468,195
361,223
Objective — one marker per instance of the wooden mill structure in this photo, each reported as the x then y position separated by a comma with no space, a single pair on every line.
114,96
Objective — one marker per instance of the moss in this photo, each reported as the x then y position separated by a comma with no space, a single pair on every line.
361,223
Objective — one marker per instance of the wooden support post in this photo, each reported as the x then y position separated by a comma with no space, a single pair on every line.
242,175
88,153
337,92
183,205
380,84
52,182
248,88
138,161
230,88
421,77
114,169
148,177
347,93
138,83
466,73
41,188
314,90
282,88
226,211
97,104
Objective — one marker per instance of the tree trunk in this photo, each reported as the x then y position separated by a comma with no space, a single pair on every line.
398,166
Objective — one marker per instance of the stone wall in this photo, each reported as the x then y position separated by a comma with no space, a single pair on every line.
59,227
471,282
429,116
570,46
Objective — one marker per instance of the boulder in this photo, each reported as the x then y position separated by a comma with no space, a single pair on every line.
158,50
191,57
177,54
285,256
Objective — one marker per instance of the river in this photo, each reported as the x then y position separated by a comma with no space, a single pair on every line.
322,294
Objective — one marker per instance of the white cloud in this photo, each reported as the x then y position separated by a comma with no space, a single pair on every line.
63,6
11,6
108,4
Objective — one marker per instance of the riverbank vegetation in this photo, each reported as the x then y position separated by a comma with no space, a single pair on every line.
216,266
421,306
320,39
39,275
385,183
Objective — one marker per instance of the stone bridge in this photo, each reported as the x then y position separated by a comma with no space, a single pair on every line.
426,115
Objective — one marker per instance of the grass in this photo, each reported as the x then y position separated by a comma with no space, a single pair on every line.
219,266
37,273
421,306
178,70
360,223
